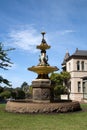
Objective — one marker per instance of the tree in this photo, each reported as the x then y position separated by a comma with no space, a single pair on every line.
56,78
1,89
5,62
5,81
60,83
30,92
5,94
25,87
66,80
20,94
65,76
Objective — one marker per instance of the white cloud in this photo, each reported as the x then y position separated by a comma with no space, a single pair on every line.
27,37
64,32
24,38
59,33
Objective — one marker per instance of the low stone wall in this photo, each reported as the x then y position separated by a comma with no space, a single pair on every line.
76,96
63,107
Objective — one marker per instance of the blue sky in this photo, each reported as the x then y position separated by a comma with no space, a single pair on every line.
21,22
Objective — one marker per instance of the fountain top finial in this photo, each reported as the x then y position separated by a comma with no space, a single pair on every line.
43,45
43,33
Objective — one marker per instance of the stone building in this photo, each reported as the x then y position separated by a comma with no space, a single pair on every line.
76,65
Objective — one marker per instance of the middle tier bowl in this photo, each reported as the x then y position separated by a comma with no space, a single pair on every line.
43,69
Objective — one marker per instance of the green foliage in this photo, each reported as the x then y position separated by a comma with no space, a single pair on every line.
25,87
5,62
20,94
24,84
65,75
59,89
1,89
13,94
30,89
56,78
5,94
5,81
30,92
59,81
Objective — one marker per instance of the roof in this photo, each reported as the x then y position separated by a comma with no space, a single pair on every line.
80,53
67,55
77,54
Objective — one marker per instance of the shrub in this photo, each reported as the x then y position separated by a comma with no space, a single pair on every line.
5,94
59,89
20,94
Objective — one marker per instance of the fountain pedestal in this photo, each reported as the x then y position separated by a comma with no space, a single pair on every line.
41,90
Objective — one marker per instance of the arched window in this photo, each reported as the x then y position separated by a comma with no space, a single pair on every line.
78,65
84,87
82,65
79,86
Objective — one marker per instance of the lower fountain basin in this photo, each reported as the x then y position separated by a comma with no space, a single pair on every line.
32,107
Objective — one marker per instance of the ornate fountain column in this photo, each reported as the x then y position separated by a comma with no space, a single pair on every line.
42,84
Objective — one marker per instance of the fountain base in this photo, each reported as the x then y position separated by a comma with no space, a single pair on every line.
32,107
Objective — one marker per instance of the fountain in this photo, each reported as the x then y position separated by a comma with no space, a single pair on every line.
42,99
41,85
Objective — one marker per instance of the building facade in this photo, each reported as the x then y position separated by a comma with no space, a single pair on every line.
76,65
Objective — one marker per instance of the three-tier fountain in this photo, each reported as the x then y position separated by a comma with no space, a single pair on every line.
42,101
42,85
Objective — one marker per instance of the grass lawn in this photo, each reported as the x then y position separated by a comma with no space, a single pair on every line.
67,121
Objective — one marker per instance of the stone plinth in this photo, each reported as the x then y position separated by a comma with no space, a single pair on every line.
41,90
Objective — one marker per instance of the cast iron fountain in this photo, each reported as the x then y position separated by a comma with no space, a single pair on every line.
41,85
41,101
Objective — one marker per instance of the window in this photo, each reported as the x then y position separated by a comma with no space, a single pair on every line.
79,86
69,66
78,65
83,87
82,65
70,86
